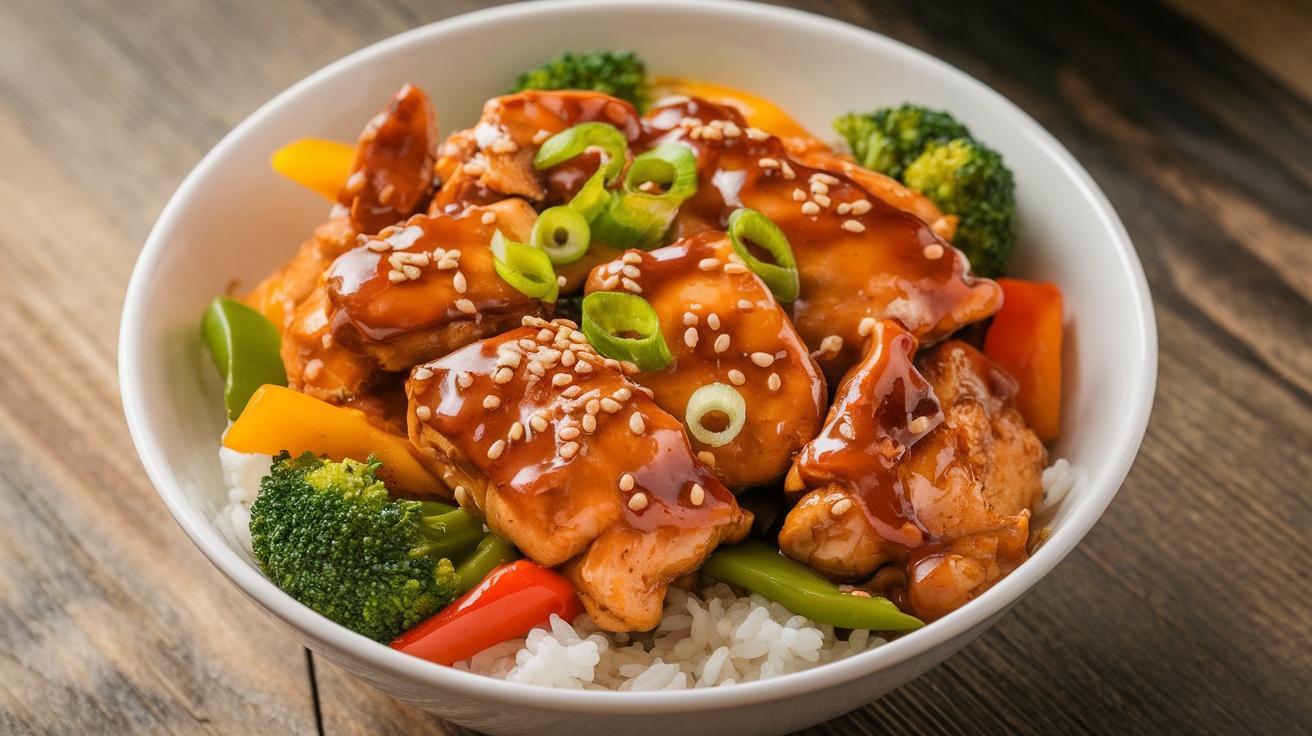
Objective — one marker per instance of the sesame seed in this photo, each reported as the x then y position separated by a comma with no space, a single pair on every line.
757,134
707,458
572,391
708,264
462,496
825,178
561,379
568,432
861,206
489,218
818,187
735,268
768,163
422,373
465,380
866,327
569,450
508,359
528,344
774,382
638,501
632,272
690,337
626,482
713,321
396,277
610,282
933,251
423,413
788,170
810,208
589,423
538,422
799,195
491,402
689,318
860,593
561,281
736,377
516,432
831,344
821,199
636,424
459,283
918,425
841,506
411,272
765,360
541,137
535,367
582,367
650,394
448,264
593,406
721,343
846,430
745,304
631,285
609,405
474,168
466,306
544,335
631,257
622,394
629,367
496,449
697,494
853,226
843,208
567,358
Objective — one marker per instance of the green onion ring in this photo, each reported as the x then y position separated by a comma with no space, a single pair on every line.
593,198
715,397
781,276
569,143
608,315
562,233
638,219
527,269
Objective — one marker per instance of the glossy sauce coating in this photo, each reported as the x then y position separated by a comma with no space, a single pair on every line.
392,175
858,257
562,452
722,325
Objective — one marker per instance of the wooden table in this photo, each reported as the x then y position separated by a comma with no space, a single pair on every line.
1188,608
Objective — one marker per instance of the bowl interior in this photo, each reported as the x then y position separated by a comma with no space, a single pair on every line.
233,220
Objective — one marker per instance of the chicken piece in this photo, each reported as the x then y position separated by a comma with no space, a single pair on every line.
933,473
722,325
859,259
413,293
494,159
392,174
573,463
278,295
888,189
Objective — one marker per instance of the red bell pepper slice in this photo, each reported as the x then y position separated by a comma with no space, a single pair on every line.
1025,339
511,600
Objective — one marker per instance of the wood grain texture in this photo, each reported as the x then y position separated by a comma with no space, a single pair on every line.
1185,610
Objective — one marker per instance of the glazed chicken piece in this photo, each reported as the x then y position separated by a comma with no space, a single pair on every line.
722,325
573,463
860,259
391,178
412,293
931,476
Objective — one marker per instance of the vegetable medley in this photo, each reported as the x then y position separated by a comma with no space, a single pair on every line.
628,331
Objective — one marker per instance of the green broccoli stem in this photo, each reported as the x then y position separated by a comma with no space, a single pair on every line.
451,535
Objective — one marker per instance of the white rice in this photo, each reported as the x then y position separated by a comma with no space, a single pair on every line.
710,638
715,638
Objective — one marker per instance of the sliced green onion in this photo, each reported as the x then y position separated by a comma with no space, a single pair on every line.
710,398
625,327
639,219
781,276
593,198
569,143
562,233
527,269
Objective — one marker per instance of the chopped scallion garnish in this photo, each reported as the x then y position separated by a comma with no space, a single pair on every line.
562,233
625,327
527,269
748,225
658,182
569,143
715,398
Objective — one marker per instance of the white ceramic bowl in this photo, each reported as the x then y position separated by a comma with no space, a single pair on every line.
235,219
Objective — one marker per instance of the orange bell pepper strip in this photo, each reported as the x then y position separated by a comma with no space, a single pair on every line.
511,600
279,418
319,165
1025,339
759,112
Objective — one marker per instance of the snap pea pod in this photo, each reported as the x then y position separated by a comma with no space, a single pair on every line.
246,349
764,570
492,552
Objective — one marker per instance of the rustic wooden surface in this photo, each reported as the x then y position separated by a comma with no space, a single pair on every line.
1187,609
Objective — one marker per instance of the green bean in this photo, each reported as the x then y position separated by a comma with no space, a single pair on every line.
764,570
492,552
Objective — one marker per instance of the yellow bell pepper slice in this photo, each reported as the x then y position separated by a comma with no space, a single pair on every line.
316,164
760,112
279,418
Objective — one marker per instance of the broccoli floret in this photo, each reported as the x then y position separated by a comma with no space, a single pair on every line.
616,73
328,534
890,138
969,180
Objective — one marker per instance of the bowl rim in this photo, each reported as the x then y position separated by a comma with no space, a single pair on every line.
1102,484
